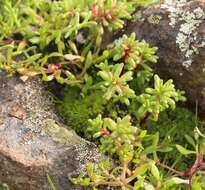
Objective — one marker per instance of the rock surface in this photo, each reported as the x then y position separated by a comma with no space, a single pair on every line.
29,149
188,72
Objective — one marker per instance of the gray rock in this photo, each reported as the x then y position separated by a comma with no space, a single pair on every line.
29,149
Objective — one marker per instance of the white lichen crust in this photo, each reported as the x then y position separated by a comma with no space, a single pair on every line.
188,40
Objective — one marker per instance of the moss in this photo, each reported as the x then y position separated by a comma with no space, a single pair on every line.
77,109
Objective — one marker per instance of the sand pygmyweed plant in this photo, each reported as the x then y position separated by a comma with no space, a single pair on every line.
112,13
123,140
134,53
159,98
116,137
115,82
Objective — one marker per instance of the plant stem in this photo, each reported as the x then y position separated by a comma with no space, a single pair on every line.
123,176
171,169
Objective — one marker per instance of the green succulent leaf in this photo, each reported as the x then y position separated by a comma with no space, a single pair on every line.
183,150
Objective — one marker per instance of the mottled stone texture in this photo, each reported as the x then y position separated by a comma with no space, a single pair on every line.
162,35
27,153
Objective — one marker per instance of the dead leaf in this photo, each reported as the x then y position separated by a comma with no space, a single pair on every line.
71,57
24,78
26,73
18,112
22,45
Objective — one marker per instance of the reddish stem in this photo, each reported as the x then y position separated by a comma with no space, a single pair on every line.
193,169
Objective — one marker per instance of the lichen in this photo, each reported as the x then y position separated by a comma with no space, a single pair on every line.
154,19
37,102
188,39
59,133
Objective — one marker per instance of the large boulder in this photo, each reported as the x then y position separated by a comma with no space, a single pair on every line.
33,140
